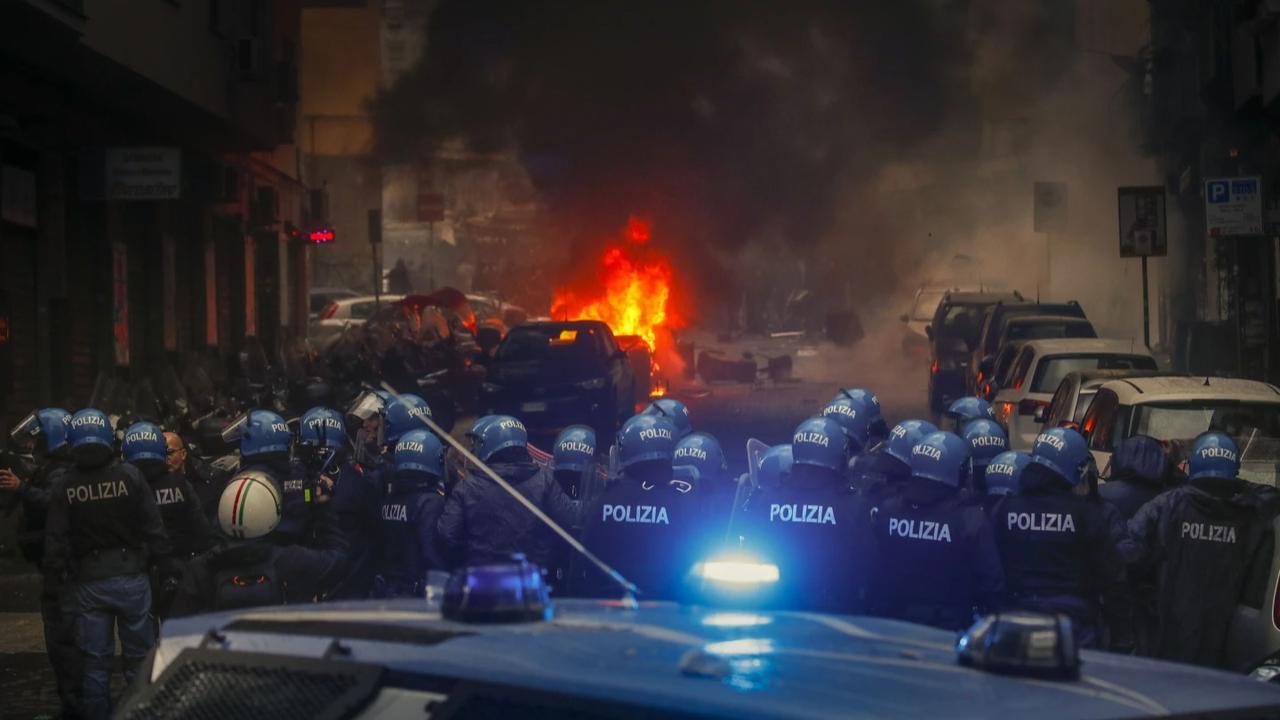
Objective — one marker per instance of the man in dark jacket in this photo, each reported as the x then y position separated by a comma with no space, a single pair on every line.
1200,538
1056,540
482,523
935,559
409,513
1139,472
103,533
253,564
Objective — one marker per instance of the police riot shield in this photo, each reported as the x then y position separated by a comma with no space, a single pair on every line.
755,453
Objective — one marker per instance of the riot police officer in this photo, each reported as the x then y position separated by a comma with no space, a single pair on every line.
253,564
642,524
877,428
414,501
44,435
935,559
1055,538
965,410
676,412
854,418
103,532
1200,538
1139,471
325,459
265,445
483,524
1004,475
986,440
812,526
699,457
573,458
881,471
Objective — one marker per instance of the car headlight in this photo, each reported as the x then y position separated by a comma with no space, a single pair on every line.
592,384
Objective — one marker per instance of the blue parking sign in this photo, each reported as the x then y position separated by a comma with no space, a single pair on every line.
1219,191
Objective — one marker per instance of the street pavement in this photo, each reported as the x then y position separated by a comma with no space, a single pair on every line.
766,410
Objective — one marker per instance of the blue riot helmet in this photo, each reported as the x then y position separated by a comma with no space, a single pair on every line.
91,437
775,466
942,457
986,440
646,437
674,411
419,453
322,427
965,410
365,417
904,436
701,452
820,442
144,441
405,413
43,431
264,433
854,416
1064,452
1005,471
477,429
502,433
1213,455
877,429
574,450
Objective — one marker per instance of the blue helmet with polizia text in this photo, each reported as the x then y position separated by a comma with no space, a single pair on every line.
854,417
502,433
775,466
1004,472
820,442
904,436
477,429
144,441
986,440
1213,455
1065,452
265,432
676,412
47,424
942,457
575,449
646,438
90,427
405,413
701,452
968,409
419,451
322,427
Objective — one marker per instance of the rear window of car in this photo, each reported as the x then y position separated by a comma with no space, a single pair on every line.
1051,370
556,344
1049,330
962,321
361,310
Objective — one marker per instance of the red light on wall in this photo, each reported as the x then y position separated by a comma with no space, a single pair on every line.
321,236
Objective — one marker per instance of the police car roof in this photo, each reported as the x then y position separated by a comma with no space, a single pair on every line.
1175,388
1071,346
777,663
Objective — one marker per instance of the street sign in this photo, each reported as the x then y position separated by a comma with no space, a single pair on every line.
144,173
1233,206
1050,207
430,207
1142,222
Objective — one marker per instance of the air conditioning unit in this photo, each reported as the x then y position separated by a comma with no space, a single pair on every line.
249,58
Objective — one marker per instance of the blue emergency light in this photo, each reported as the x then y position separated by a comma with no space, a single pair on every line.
1021,643
510,592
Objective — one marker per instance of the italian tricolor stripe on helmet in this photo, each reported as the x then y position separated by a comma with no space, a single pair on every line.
242,500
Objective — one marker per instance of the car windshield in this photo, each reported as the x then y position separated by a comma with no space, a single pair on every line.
1255,427
925,305
1051,370
550,344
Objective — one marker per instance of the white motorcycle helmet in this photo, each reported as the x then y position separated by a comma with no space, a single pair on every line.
250,506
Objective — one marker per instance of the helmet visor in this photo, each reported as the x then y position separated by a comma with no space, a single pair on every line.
24,434
366,406
234,430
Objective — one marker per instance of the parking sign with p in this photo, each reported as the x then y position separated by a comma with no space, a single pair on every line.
1233,206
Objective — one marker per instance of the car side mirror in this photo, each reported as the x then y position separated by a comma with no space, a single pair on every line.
928,331
1042,414
904,317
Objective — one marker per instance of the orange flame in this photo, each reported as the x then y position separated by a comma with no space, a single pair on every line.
631,291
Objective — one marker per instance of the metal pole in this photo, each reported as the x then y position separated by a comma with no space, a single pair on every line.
1146,307
431,278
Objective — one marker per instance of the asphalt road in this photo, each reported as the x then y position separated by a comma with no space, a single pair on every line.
766,411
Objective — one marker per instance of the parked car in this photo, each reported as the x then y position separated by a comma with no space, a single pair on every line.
320,298
1039,368
1045,327
347,311
952,334
554,374
992,333
1174,410
999,375
1074,394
